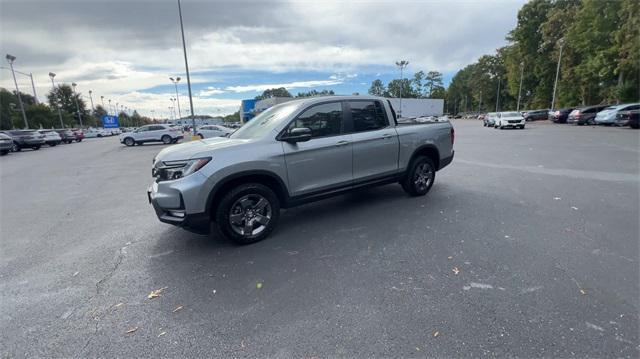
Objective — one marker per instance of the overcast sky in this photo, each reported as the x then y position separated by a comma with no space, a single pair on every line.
126,50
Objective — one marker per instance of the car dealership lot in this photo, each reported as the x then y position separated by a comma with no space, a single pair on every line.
527,245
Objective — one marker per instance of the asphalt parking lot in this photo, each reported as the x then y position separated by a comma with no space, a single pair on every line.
527,245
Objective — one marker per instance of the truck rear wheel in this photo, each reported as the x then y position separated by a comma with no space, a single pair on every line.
248,213
419,177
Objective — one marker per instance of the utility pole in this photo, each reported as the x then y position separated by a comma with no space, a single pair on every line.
10,60
498,94
91,98
75,97
555,84
520,87
186,65
53,86
401,65
33,87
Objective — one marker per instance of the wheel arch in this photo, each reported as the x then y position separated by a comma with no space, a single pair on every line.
428,150
269,179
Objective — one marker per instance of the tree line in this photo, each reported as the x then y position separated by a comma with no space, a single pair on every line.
421,85
600,64
41,115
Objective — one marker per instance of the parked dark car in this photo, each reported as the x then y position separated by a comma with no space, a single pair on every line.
79,134
67,135
6,144
628,118
585,115
560,116
536,115
25,139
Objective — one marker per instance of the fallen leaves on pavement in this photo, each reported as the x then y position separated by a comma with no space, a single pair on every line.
178,308
455,270
161,334
259,285
131,330
583,292
436,333
156,293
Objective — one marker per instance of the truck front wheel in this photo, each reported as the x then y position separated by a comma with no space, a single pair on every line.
248,213
419,177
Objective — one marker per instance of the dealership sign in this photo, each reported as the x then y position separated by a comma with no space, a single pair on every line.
110,121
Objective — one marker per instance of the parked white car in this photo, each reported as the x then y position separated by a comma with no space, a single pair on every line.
96,132
509,119
608,115
152,133
51,138
209,131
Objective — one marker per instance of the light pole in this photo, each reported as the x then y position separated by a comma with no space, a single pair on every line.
10,60
102,101
498,93
110,108
91,98
171,112
175,82
555,84
30,75
520,87
401,64
53,86
75,97
186,65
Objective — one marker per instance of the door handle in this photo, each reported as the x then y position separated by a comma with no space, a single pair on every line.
342,143
386,136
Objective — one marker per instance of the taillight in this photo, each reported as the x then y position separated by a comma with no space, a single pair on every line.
453,136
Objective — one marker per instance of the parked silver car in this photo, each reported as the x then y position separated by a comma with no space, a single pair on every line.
293,153
209,131
152,133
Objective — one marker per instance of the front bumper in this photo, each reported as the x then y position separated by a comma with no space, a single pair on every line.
173,202
6,145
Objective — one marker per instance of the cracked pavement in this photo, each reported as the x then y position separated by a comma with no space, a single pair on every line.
540,225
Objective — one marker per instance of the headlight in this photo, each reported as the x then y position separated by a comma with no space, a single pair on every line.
172,170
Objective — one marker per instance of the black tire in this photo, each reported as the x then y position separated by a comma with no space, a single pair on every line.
253,193
99,135
78,139
4,152
166,139
53,144
201,136
128,142
522,127
412,183
16,147
138,143
35,148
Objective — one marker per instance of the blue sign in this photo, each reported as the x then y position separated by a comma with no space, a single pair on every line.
110,121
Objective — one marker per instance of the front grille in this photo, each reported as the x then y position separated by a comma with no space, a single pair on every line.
514,121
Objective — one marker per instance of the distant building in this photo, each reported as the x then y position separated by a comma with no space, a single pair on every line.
200,120
250,108
416,107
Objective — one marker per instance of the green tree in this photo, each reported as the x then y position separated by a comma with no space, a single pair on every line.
377,88
432,80
398,87
275,92
234,117
99,112
418,77
64,97
315,93
627,45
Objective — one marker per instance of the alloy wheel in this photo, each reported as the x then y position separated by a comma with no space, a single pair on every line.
250,215
423,176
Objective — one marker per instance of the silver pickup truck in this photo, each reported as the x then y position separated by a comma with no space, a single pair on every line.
293,153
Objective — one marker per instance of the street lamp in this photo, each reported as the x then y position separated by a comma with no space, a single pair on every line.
53,86
102,100
555,84
175,82
401,64
10,60
520,88
110,108
75,97
91,98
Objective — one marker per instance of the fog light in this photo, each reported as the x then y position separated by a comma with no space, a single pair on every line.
179,214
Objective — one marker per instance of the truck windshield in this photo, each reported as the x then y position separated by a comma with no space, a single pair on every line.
264,123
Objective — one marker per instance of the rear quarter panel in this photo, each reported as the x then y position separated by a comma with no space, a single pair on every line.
412,137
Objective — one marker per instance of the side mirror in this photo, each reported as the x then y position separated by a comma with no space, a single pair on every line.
301,134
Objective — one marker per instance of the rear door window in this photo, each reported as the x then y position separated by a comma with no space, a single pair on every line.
367,115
